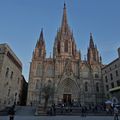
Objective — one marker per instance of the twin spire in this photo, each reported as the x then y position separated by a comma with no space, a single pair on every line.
41,39
64,27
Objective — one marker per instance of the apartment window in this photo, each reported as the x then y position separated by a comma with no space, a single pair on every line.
107,88
97,87
106,79
7,72
110,68
111,76
8,92
86,86
112,85
118,82
11,76
108,96
116,73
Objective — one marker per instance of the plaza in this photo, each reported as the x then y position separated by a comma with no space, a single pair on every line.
58,118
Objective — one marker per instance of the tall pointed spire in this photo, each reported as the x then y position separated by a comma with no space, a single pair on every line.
41,35
40,51
41,39
91,44
93,54
64,26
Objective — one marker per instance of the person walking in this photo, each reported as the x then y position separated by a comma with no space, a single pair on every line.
11,113
54,109
83,111
115,113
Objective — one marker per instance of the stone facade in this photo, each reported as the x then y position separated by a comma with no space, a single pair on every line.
111,77
10,76
71,78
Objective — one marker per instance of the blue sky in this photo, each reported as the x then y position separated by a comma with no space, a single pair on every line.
21,22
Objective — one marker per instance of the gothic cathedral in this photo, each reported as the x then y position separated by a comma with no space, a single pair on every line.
66,77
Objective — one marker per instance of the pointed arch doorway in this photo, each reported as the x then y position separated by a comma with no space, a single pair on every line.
67,91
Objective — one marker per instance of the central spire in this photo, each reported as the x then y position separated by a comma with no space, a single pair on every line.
64,26
91,44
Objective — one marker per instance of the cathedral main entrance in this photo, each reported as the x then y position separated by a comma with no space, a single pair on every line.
67,91
67,99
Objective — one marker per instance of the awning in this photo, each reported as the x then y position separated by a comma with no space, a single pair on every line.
114,89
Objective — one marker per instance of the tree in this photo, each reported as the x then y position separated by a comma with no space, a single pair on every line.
48,92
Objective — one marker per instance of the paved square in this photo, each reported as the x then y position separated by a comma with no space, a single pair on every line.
58,118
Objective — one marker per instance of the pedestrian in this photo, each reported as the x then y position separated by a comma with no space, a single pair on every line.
115,113
31,103
82,112
54,109
62,108
11,113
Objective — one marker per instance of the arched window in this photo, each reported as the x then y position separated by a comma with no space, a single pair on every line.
7,72
11,76
58,47
97,87
37,84
40,52
8,91
86,86
66,46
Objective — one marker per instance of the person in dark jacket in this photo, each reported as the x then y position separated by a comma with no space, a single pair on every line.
11,113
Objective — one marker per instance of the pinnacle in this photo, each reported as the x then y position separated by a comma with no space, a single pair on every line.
91,44
41,35
64,26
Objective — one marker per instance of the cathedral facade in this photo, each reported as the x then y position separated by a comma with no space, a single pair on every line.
70,78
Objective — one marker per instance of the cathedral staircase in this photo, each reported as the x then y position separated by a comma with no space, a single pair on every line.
25,110
40,111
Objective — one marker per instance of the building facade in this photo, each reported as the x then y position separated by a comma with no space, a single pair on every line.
10,76
72,79
111,78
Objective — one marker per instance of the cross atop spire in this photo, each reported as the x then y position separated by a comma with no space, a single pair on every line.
64,5
91,44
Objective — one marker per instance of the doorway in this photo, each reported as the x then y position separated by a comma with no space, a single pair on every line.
67,99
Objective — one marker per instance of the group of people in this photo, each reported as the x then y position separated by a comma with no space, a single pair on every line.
52,110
